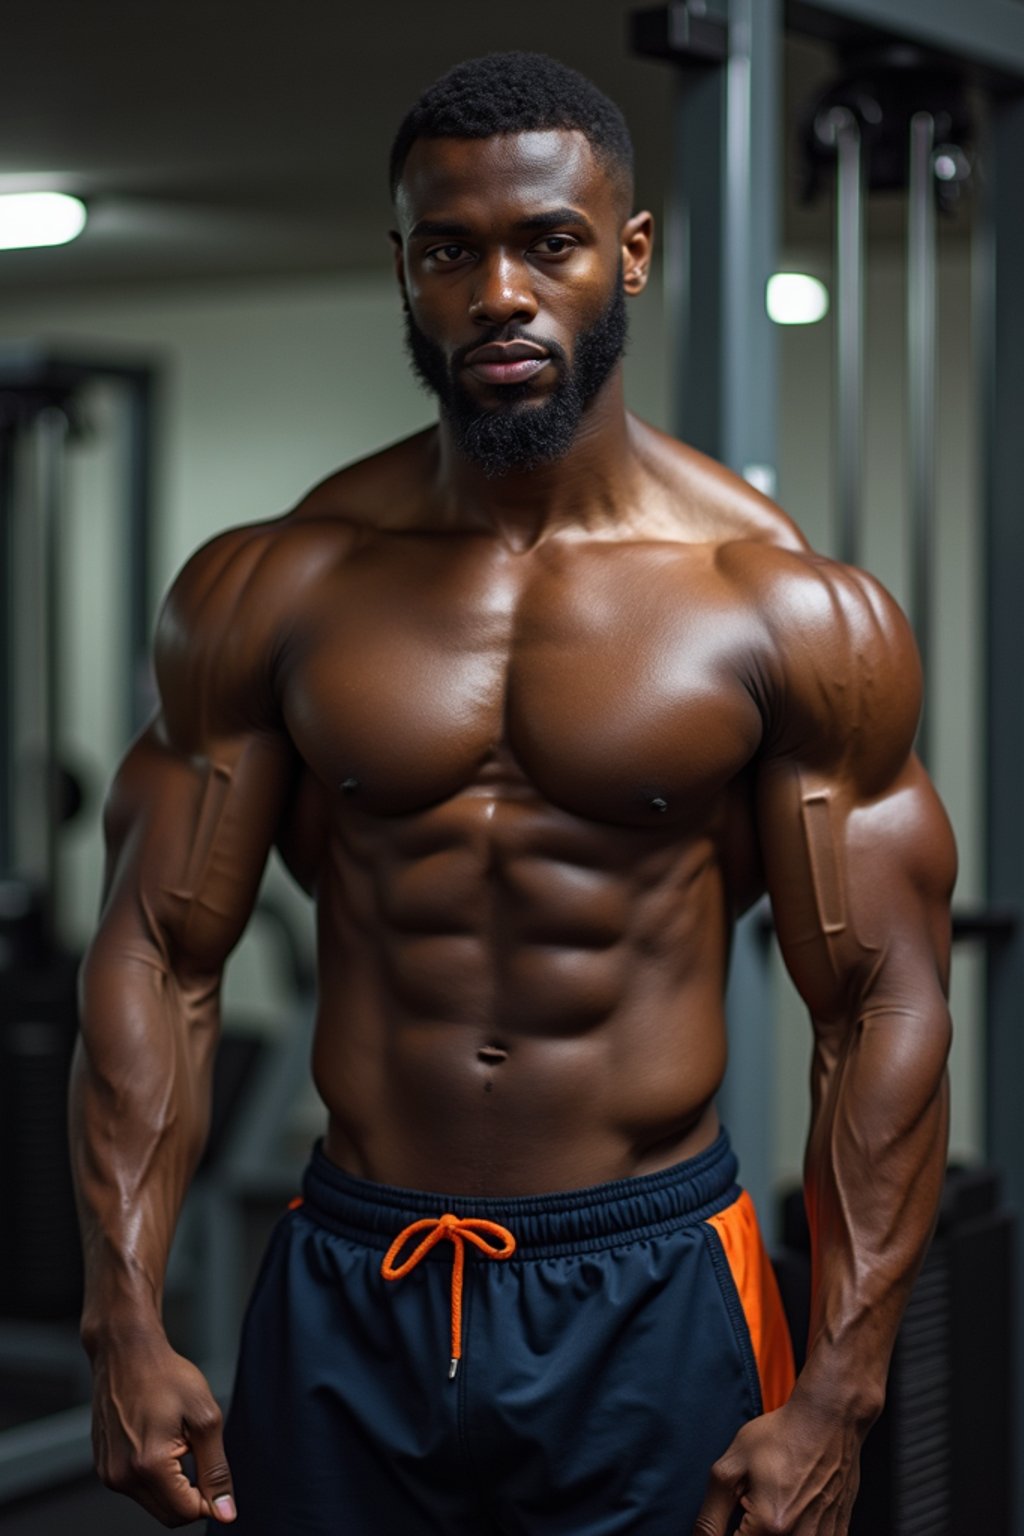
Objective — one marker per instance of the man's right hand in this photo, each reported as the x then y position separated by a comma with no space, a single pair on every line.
151,1407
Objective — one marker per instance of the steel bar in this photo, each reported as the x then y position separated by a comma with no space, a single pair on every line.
139,392
680,32
51,436
722,249
849,350
922,322
7,807
998,261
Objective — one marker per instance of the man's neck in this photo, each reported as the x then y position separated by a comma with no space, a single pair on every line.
589,487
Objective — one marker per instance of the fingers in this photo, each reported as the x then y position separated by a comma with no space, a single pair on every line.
151,1472
213,1475
715,1516
160,1486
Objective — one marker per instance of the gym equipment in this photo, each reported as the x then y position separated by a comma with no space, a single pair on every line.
40,417
42,1367
722,222
893,122
939,1461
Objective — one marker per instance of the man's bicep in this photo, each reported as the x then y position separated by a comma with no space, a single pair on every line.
859,885
188,834
191,814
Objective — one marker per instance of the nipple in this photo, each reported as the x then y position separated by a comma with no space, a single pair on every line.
658,804
349,786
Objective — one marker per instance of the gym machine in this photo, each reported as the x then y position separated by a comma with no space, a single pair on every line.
42,414
896,116
894,122
246,1175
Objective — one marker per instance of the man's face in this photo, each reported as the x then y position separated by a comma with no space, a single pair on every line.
511,253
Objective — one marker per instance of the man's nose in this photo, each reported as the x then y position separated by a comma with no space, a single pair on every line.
503,292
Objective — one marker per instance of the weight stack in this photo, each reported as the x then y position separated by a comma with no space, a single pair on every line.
939,1460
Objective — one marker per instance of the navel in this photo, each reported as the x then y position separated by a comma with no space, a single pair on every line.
492,1055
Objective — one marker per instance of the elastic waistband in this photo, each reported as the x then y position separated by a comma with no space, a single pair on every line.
575,1220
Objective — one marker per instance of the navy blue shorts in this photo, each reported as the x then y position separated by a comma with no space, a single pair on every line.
602,1368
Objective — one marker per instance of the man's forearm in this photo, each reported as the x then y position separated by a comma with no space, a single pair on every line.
139,1107
874,1170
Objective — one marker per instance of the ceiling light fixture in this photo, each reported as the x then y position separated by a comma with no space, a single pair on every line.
796,299
39,218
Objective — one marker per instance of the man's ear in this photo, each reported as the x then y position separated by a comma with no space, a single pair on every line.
637,248
398,255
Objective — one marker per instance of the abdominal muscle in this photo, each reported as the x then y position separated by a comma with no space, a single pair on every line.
514,1002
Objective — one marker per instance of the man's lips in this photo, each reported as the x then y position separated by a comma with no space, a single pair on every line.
507,362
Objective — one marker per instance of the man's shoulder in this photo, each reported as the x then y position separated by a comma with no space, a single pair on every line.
814,605
708,502
233,579
840,653
226,617
235,601
805,598
262,568
375,494
214,639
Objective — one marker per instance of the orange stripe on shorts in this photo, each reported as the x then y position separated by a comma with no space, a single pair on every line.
758,1291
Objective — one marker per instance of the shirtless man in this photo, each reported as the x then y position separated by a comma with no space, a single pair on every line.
534,703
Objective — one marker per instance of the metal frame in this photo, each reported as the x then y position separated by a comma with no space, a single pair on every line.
38,389
922,393
721,245
985,34
851,258
39,385
987,39
6,657
1001,327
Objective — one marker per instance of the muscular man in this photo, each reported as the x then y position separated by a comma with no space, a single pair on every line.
534,703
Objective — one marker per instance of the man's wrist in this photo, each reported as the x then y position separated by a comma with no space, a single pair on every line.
844,1392
107,1324
113,1334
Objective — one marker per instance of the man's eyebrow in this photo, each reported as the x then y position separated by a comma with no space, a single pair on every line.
438,227
553,218
556,218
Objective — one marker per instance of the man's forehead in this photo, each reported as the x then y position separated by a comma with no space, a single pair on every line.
549,166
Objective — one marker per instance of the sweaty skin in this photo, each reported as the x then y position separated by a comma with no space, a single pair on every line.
532,744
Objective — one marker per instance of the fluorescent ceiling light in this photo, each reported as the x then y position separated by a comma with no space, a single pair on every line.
39,218
796,299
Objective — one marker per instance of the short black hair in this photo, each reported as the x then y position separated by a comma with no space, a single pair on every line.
516,93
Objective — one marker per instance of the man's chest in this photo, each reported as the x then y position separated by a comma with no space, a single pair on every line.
611,680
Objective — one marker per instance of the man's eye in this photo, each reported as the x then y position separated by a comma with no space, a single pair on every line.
556,245
447,253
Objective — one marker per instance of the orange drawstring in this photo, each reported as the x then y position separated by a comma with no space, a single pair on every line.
454,1228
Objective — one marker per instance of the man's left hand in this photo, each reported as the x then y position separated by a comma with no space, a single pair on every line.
794,1472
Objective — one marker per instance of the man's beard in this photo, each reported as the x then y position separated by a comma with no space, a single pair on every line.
514,436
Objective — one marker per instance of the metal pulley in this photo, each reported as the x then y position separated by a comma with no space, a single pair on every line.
893,122
882,91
